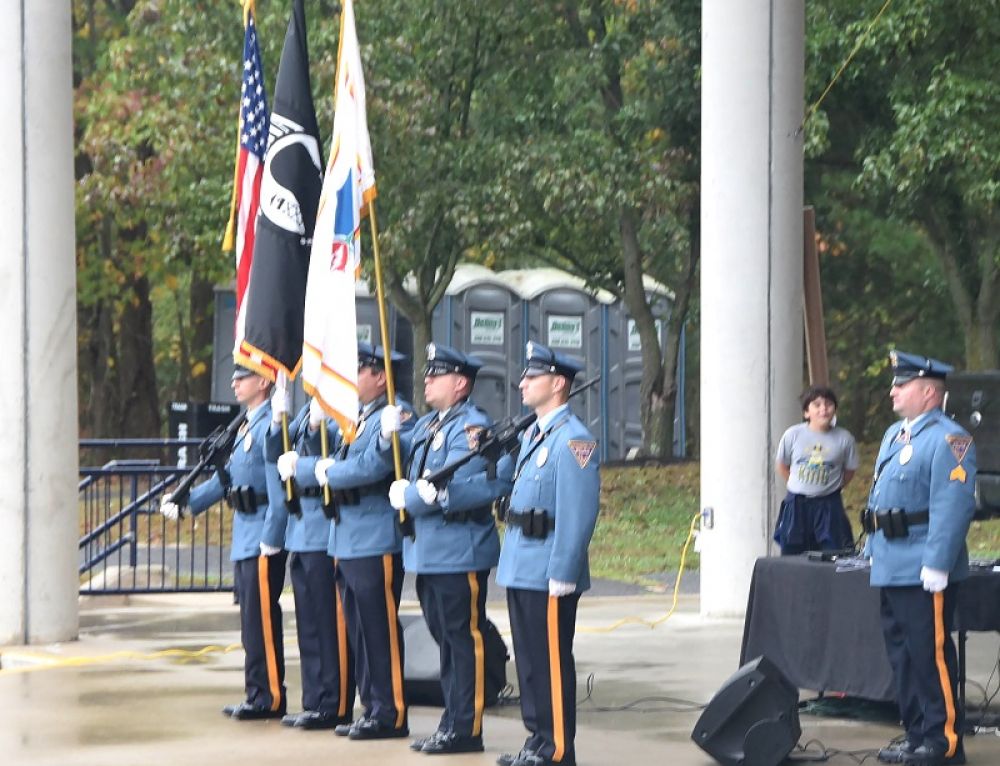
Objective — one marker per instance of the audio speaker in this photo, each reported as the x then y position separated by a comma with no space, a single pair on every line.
753,720
422,667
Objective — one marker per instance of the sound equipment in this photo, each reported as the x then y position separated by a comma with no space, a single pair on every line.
753,720
974,403
422,667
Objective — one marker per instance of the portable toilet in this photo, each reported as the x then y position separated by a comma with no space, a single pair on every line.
223,337
622,428
561,312
481,315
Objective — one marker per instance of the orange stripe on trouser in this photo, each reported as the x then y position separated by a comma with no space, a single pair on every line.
395,661
480,654
949,702
264,584
342,651
555,680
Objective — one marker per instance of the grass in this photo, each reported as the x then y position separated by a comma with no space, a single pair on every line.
646,512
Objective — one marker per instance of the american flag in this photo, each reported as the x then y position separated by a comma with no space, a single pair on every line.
253,132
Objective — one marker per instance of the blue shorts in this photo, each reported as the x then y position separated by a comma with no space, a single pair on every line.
812,523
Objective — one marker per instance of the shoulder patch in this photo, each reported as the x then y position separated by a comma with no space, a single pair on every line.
582,450
472,436
959,445
404,415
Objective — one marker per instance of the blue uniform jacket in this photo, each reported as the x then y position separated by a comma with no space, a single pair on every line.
369,527
442,546
308,532
938,473
247,468
558,474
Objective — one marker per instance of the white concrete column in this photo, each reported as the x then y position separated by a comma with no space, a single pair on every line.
751,279
38,394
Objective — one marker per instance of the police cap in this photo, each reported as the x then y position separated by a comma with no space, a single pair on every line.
375,357
541,360
240,372
906,367
442,360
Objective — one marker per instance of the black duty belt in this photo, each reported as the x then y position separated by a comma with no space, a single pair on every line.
894,522
534,523
244,499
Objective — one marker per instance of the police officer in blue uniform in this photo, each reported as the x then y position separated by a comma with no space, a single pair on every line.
257,550
544,564
919,510
365,543
324,648
455,542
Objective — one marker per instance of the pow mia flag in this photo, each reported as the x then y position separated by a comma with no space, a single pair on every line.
289,196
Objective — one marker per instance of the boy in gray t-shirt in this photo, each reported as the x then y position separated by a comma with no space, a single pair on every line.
816,459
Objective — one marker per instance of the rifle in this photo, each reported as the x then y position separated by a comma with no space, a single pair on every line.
495,441
213,451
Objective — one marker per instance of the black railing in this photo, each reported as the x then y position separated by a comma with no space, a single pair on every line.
126,546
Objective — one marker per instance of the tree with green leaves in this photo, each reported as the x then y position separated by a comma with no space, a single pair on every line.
597,116
915,118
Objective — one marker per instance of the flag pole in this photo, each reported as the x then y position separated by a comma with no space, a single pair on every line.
390,384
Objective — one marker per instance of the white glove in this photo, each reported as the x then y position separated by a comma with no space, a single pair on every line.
559,588
427,491
169,508
321,468
286,464
316,414
396,492
268,550
934,580
281,402
389,420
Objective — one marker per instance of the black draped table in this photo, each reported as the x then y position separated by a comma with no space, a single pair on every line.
822,627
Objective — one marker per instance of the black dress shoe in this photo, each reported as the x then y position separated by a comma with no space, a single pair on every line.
290,719
317,719
344,729
418,744
247,711
928,755
370,728
507,759
450,742
896,751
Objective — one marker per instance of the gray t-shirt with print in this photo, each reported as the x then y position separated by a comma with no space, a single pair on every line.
817,459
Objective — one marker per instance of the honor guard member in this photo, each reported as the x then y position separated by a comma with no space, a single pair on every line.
365,543
258,557
455,542
919,510
324,648
544,565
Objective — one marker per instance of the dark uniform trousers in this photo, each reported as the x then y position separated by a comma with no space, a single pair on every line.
259,582
324,649
454,606
543,628
371,588
917,626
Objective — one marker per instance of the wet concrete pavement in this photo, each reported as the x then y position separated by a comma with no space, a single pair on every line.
145,684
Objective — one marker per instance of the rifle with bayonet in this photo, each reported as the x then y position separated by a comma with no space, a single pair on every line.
502,437
214,452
